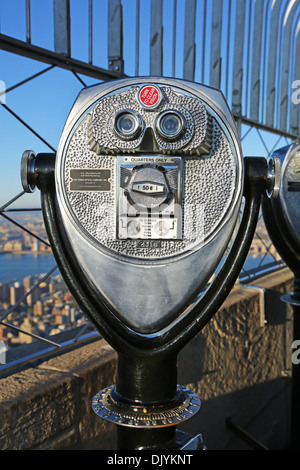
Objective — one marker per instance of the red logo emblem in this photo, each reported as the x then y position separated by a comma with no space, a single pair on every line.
149,96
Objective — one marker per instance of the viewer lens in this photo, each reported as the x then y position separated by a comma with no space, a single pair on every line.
127,125
170,125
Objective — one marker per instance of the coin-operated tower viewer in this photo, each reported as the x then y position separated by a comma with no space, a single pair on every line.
140,204
282,219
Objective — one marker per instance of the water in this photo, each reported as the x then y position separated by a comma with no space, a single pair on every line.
18,266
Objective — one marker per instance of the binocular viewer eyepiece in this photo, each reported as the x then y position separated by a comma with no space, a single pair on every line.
140,205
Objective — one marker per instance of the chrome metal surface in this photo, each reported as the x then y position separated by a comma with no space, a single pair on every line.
27,171
128,124
290,189
213,176
149,185
274,177
110,408
289,299
176,127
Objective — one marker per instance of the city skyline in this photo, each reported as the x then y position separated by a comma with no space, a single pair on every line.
47,311
50,308
15,239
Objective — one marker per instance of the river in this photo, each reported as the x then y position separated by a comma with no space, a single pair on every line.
17,266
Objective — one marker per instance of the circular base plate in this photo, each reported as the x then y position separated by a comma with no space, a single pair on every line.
291,299
109,408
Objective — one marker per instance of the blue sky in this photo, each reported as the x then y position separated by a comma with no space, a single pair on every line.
44,103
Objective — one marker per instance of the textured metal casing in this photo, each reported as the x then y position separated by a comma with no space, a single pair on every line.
148,289
289,193
282,215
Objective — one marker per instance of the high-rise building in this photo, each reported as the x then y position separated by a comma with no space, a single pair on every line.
26,326
16,292
38,308
5,290
3,332
36,245
27,283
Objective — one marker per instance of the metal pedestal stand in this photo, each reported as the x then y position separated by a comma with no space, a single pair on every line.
153,427
149,419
